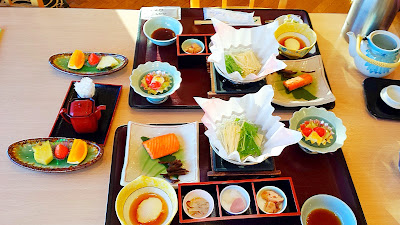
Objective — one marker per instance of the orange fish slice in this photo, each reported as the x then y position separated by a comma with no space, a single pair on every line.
162,145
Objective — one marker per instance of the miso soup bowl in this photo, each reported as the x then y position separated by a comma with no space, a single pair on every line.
299,30
162,22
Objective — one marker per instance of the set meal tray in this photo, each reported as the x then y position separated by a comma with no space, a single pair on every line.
195,71
310,175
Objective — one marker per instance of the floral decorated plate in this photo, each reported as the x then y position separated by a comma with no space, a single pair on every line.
315,94
21,153
322,131
60,63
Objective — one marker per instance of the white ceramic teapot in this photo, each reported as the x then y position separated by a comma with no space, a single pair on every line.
377,55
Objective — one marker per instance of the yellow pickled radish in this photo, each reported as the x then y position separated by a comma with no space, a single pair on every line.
77,60
78,152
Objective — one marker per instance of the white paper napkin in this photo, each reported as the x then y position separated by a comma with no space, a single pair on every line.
260,39
257,109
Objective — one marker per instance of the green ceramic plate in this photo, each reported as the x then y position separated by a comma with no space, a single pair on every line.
60,63
21,153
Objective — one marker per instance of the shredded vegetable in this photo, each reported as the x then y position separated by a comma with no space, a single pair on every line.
242,136
245,62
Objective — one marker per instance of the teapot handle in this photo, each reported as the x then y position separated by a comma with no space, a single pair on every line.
372,61
63,113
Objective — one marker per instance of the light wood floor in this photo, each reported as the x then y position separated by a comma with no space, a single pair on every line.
311,6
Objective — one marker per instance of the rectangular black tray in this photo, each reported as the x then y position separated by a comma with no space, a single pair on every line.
196,80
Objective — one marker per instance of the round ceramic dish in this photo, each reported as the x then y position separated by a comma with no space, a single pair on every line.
312,112
143,69
162,22
299,30
261,202
331,203
198,193
391,96
142,185
191,41
244,194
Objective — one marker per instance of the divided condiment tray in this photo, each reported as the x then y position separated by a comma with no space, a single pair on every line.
251,186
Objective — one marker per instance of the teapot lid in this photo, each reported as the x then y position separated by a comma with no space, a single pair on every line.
81,107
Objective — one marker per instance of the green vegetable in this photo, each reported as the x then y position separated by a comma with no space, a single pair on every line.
247,143
231,65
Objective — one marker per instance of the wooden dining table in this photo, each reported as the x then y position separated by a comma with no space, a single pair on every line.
32,92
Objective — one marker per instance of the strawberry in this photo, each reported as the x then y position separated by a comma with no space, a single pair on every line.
320,131
155,85
61,151
148,78
306,131
93,59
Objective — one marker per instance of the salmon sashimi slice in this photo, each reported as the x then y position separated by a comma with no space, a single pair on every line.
163,145
298,82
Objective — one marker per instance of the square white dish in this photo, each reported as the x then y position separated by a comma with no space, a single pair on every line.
138,162
319,88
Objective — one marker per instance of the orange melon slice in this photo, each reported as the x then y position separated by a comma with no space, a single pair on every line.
77,60
78,152
162,145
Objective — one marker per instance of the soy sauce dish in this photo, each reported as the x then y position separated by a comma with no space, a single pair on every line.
328,210
162,30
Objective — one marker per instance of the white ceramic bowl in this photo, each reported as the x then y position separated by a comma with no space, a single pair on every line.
331,203
162,22
188,42
143,69
144,184
391,96
202,194
244,194
322,114
261,202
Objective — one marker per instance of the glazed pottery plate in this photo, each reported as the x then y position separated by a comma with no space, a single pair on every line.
375,105
60,63
138,162
312,113
315,94
21,153
105,94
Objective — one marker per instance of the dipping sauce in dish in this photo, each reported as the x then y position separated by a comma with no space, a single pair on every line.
148,209
292,42
322,216
163,34
197,207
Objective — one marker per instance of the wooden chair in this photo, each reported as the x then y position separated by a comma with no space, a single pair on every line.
224,4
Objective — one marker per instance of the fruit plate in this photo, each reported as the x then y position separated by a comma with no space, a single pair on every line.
138,162
105,94
21,153
60,63
315,94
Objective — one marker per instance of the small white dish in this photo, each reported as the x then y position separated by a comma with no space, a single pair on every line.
198,193
138,162
262,202
331,203
391,96
191,41
319,88
245,195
